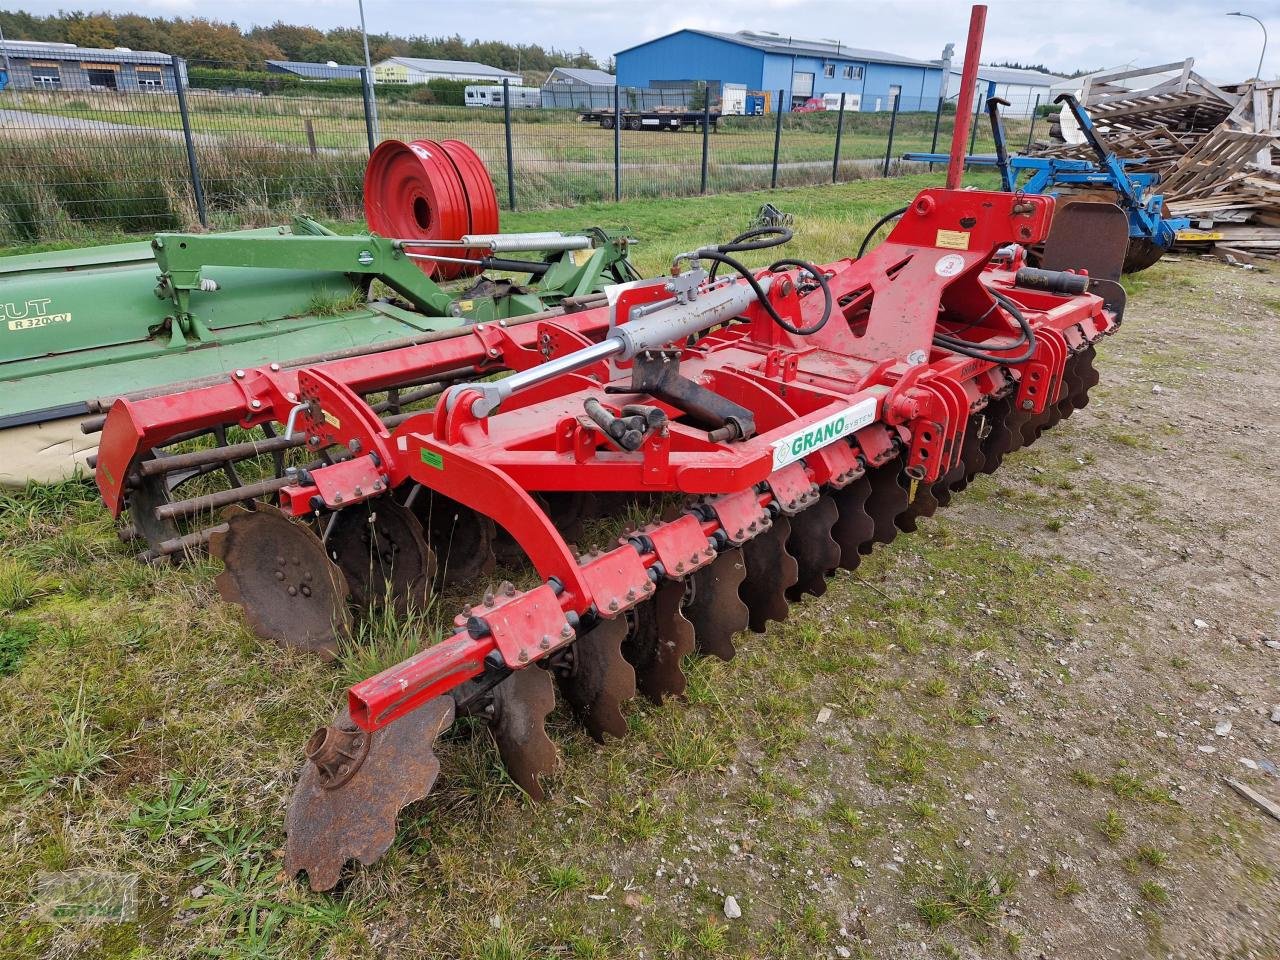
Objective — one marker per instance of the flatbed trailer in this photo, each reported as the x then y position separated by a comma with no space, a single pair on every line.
670,121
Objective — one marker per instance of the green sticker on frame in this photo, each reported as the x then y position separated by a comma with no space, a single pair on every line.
432,459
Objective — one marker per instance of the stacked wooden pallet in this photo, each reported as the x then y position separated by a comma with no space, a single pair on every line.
1214,147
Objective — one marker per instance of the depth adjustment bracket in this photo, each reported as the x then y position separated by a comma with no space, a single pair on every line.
657,373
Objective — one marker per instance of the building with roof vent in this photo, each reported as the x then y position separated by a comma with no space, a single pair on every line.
802,69
315,71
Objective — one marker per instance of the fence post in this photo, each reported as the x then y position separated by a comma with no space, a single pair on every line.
617,146
977,116
937,122
706,130
506,119
777,142
366,92
1032,132
835,160
893,125
193,165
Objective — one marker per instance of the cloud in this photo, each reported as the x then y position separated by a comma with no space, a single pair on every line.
1084,34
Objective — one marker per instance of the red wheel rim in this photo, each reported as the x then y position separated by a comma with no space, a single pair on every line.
413,192
482,199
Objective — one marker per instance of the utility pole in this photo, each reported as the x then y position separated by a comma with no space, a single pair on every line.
373,101
1262,56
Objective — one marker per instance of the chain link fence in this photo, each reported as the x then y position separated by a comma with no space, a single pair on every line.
204,151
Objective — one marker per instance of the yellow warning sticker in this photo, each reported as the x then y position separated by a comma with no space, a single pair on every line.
1201,235
952,239
333,421
465,305
581,256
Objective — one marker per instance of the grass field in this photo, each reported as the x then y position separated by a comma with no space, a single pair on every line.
71,163
988,783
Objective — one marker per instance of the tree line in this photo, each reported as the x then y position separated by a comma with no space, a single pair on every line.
199,39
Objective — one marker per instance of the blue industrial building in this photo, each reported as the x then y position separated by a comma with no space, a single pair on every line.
801,69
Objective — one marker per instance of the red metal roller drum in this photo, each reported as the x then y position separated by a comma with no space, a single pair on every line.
413,191
482,200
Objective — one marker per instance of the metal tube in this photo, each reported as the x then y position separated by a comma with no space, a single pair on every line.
893,126
777,143
506,116
370,110
973,131
1031,133
937,122
197,185
964,103
706,130
233,451
617,145
835,159
223,498
197,538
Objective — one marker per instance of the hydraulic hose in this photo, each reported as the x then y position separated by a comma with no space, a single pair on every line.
965,348
762,238
866,241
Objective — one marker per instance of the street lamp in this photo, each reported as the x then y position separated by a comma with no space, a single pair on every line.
1262,55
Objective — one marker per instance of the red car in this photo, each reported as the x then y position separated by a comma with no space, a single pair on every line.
812,105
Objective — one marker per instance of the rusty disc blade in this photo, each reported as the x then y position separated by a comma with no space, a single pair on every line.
520,707
816,553
888,498
277,571
1072,386
853,526
659,641
327,827
770,572
460,538
380,546
601,679
1016,423
714,606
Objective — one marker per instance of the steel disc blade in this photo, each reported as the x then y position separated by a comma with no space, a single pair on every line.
771,571
356,820
1000,440
601,679
714,605
923,503
887,500
815,552
853,527
142,500
1088,376
520,707
380,547
972,460
660,639
277,571
460,538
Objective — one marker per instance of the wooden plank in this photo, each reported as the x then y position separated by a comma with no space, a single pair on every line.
1257,799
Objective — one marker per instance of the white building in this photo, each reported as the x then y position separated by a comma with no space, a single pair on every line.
1020,87
419,70
581,77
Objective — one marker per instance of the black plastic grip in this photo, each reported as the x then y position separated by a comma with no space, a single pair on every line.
1052,281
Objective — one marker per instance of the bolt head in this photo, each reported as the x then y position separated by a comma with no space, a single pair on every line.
239,374
255,404
275,368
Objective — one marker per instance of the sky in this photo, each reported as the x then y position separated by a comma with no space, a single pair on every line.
1079,34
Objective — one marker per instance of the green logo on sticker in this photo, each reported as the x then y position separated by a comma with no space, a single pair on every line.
432,459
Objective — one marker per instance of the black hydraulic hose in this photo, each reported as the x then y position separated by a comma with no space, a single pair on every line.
761,296
747,241
879,223
967,349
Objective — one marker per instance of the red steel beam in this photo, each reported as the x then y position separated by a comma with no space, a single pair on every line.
964,104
